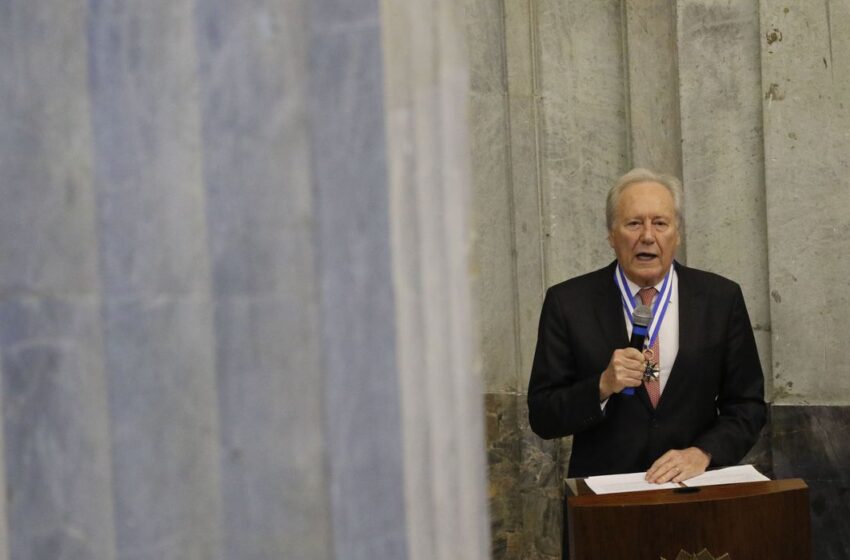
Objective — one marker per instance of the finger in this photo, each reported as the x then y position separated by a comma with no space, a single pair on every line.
664,459
634,365
661,465
677,474
684,474
672,470
690,467
628,374
623,373
630,369
665,475
620,357
633,354
655,473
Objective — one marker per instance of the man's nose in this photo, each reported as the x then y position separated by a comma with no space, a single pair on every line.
646,234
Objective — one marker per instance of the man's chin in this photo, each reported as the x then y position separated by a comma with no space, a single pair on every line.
646,274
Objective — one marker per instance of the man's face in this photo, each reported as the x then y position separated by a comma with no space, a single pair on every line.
645,232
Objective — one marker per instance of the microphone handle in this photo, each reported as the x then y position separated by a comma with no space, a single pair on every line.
638,336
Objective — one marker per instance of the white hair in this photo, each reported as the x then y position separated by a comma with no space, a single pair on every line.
641,175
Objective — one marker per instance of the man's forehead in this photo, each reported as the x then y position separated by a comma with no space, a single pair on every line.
646,197
637,210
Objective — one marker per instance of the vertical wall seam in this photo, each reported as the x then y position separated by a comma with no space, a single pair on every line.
318,269
101,297
518,354
536,115
509,173
210,287
627,97
677,124
765,194
677,113
827,7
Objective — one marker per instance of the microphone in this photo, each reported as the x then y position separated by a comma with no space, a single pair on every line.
641,318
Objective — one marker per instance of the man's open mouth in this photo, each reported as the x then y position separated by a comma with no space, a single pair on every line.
646,256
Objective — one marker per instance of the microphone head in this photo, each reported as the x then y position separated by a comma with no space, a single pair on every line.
642,315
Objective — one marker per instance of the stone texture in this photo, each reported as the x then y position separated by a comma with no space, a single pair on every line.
271,443
722,154
542,472
484,38
147,150
47,216
522,61
504,454
252,61
363,432
154,273
492,212
164,428
805,78
493,252
583,141
653,85
57,467
427,90
253,58
54,449
206,338
525,474
810,442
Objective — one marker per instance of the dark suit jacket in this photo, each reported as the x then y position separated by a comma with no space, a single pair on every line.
713,399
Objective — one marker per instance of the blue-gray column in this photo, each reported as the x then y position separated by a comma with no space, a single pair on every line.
253,61
55,438
358,335
155,275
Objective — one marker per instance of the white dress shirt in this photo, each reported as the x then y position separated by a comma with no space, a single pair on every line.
668,341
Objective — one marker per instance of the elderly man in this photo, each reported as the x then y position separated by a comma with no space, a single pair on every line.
697,389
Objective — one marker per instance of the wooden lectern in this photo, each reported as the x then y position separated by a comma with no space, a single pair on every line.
749,521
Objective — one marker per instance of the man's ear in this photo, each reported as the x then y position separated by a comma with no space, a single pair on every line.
610,240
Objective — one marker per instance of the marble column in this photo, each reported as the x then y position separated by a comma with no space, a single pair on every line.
55,464
236,316
427,83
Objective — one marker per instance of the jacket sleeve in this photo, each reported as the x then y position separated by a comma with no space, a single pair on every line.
561,400
740,401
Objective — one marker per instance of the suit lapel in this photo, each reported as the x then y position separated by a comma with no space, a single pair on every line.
609,310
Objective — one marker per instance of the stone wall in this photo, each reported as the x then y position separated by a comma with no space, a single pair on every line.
747,102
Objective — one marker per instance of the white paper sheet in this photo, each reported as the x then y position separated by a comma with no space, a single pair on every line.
631,482
635,482
729,475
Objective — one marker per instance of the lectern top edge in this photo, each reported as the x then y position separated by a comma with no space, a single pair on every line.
719,492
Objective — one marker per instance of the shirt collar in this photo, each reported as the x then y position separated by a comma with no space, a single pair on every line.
634,288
